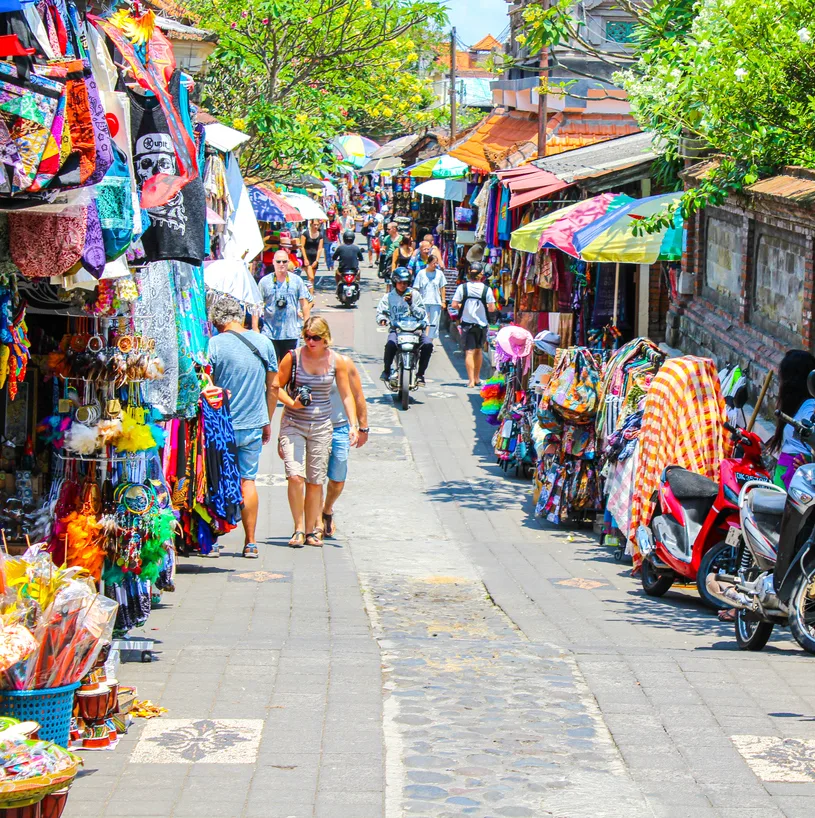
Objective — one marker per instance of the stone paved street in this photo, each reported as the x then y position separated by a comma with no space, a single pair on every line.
447,655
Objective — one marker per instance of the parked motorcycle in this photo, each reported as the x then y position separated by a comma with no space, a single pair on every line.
775,580
348,289
402,379
692,536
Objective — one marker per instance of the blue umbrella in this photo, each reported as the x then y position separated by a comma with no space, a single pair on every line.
265,209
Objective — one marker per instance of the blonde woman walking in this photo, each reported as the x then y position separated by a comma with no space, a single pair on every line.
305,379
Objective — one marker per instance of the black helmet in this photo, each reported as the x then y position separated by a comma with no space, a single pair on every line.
349,236
401,274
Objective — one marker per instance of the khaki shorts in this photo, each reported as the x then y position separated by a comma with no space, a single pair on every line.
305,448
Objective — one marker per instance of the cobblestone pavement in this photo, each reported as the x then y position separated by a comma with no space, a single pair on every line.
447,656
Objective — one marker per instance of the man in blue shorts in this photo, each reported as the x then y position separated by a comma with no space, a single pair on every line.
243,364
340,444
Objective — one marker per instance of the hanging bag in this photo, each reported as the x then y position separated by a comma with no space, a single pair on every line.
573,386
47,244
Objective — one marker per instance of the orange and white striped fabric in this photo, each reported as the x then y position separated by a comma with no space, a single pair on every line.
682,425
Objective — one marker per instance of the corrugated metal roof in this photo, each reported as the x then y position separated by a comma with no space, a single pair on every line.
600,157
793,185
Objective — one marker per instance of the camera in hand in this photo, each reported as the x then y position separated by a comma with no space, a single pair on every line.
281,303
304,395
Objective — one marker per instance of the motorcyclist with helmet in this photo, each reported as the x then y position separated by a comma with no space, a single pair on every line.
400,302
348,255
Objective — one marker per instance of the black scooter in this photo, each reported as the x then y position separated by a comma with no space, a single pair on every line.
348,289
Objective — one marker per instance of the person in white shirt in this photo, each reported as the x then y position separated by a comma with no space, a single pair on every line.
430,283
475,300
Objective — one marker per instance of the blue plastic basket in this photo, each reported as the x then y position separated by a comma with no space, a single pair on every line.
50,708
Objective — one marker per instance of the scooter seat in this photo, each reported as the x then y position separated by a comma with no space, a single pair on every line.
688,485
768,502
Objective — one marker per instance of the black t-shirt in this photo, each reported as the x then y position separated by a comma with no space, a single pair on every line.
349,256
177,229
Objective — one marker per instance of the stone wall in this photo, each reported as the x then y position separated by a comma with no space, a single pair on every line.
748,276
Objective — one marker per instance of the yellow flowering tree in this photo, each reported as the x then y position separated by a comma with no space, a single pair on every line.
299,72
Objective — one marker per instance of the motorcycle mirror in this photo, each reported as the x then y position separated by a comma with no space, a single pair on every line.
740,398
811,383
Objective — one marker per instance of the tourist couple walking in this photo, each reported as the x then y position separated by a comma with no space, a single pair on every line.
324,413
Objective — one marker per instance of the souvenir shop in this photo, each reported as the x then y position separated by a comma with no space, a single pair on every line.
111,461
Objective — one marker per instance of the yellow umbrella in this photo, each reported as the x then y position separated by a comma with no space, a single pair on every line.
526,238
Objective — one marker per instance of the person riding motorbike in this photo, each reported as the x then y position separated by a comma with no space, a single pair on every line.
400,303
348,255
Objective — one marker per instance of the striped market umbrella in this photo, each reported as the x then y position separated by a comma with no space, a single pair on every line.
559,235
611,238
439,167
354,149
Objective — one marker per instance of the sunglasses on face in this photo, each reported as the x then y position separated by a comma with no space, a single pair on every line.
312,338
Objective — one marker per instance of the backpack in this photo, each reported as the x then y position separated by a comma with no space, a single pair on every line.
572,388
467,297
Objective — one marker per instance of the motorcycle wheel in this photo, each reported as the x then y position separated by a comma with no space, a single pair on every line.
751,635
802,612
404,388
720,557
654,583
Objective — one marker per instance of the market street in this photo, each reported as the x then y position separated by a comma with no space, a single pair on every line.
446,655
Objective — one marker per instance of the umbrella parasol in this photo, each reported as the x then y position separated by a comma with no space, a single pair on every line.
610,238
354,149
526,238
271,207
385,163
559,235
453,190
439,167
231,276
309,209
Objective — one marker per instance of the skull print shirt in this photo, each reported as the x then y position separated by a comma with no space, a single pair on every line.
177,229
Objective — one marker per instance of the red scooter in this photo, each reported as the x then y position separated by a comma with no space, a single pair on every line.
691,537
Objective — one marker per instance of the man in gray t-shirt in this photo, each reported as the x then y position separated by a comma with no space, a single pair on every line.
243,364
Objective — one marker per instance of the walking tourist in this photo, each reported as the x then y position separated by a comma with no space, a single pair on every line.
341,444
428,237
390,241
244,365
348,220
477,301
430,283
402,254
419,259
286,305
312,247
305,380
332,237
401,301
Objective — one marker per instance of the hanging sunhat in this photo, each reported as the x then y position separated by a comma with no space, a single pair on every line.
476,252
547,341
512,344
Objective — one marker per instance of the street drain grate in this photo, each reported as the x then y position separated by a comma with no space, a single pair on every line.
786,760
261,576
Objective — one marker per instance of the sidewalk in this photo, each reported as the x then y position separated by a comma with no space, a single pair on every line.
272,682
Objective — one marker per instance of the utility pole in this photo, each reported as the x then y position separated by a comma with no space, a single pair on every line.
453,85
543,113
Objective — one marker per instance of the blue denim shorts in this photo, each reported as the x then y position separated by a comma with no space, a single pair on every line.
250,443
340,448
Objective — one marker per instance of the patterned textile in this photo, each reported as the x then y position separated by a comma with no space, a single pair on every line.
681,425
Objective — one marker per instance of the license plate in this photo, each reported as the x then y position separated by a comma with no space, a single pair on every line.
733,536
349,291
406,339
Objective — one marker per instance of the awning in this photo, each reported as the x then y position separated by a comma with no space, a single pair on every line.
453,190
531,185
223,138
272,207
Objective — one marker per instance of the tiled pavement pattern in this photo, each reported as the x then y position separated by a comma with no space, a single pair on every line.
310,683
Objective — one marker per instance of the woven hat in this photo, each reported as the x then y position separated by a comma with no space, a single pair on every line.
512,344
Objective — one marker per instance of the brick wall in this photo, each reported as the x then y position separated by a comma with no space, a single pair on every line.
753,312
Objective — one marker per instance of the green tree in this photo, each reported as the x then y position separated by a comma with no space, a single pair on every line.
295,73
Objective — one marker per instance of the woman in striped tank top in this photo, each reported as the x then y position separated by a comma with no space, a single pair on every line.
306,430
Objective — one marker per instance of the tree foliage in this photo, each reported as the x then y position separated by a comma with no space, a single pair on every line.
738,76
295,73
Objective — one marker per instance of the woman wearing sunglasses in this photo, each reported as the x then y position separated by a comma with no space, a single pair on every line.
306,429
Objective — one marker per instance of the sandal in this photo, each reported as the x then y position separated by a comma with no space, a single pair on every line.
315,538
330,528
298,539
727,615
250,551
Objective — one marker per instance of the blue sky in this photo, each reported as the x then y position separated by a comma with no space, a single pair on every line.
475,18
